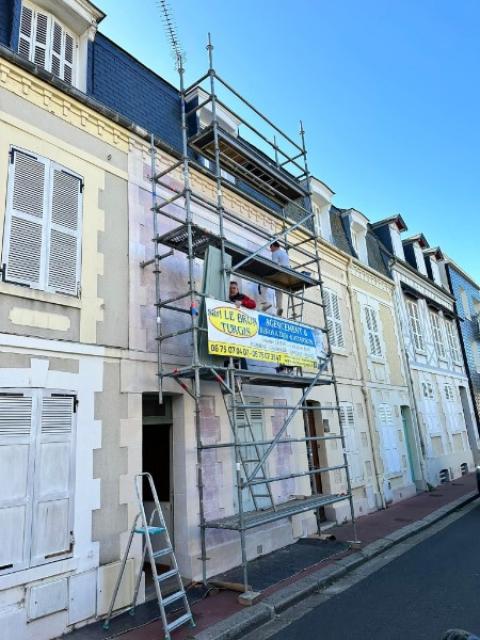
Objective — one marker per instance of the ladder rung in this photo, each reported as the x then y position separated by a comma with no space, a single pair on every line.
166,575
173,598
187,617
152,531
162,552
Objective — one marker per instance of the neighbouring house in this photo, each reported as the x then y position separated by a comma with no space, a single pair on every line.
427,316
467,300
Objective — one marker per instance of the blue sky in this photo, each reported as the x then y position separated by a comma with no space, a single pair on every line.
388,91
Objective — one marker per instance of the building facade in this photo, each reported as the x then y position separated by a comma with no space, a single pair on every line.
426,310
79,406
467,300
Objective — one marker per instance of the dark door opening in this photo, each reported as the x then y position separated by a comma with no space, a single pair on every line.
157,450
315,451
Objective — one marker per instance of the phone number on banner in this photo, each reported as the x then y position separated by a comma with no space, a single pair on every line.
224,349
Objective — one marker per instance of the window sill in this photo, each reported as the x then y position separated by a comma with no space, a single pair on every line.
377,359
41,296
339,351
24,576
393,475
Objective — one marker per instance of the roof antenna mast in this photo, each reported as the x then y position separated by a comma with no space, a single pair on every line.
172,36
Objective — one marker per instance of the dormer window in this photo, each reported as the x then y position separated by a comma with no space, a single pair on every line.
358,234
46,42
419,258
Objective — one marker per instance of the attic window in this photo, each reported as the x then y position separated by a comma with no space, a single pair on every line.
46,42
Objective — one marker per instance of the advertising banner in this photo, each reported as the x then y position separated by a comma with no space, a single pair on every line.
245,333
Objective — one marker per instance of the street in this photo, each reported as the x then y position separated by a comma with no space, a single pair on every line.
431,587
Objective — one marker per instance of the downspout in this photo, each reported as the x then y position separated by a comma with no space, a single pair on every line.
409,379
366,397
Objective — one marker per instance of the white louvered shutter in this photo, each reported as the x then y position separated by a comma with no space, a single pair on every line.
65,236
25,220
391,455
57,49
375,347
16,464
347,420
69,51
250,428
26,32
41,40
52,526
333,318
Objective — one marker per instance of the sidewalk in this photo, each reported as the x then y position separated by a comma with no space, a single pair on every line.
293,572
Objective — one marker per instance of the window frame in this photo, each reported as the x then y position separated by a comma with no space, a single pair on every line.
48,46
372,326
416,326
428,387
333,318
49,225
453,342
437,333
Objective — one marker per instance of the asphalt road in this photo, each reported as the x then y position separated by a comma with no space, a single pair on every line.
432,587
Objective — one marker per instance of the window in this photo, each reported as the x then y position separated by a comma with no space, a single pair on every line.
46,42
391,456
374,344
465,304
36,478
438,335
427,390
453,342
415,325
333,318
476,355
42,236
210,164
347,424
449,392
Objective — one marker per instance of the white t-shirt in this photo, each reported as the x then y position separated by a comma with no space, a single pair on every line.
280,256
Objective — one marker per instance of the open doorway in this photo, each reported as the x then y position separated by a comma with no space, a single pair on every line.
157,453
411,447
471,430
317,455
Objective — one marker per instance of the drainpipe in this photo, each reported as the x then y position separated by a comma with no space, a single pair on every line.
363,378
417,433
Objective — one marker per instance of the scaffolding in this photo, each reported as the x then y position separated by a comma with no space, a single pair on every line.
275,166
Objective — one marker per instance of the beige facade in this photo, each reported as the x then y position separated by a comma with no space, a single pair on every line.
60,352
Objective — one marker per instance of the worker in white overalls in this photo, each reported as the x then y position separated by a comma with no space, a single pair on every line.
279,256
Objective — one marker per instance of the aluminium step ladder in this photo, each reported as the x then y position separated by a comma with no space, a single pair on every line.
154,526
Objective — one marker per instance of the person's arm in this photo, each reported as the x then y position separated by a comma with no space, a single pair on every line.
249,303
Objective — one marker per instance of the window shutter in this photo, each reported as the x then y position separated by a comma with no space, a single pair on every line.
372,329
24,228
40,55
16,452
65,245
57,49
347,421
53,481
68,58
25,36
391,455
333,318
